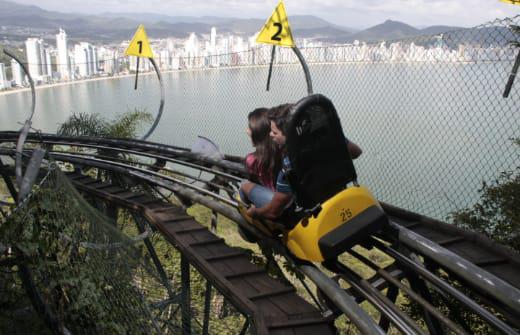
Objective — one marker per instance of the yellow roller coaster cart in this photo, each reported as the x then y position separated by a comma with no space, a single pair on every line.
339,212
336,212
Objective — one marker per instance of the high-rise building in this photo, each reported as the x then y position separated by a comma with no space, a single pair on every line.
144,64
3,78
93,60
85,59
191,49
43,60
73,74
17,72
214,61
80,60
107,59
165,59
48,62
176,60
35,57
63,55
213,39
225,47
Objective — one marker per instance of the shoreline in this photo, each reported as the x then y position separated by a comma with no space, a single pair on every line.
81,81
65,83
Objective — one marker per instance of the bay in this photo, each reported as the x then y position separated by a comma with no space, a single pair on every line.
430,132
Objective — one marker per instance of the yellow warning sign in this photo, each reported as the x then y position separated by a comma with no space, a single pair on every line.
514,2
139,46
277,30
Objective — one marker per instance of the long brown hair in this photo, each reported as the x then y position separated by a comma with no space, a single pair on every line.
280,116
267,152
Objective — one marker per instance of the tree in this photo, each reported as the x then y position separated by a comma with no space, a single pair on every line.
88,289
497,213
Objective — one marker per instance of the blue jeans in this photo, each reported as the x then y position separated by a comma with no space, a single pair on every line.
258,196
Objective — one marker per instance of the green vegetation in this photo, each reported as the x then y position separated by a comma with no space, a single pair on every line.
123,126
102,291
90,290
497,213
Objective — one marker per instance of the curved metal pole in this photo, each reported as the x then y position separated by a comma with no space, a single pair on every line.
33,107
27,126
25,272
161,106
305,69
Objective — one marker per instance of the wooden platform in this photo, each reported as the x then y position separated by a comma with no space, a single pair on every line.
274,306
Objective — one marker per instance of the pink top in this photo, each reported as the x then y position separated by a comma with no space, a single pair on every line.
266,179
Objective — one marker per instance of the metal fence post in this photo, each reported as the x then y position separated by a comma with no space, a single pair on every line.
185,296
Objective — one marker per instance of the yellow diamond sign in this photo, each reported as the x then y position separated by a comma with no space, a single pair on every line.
514,2
277,30
139,46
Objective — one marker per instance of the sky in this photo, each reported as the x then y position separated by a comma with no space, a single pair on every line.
349,13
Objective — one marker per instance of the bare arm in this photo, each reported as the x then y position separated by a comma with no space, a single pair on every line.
354,150
273,209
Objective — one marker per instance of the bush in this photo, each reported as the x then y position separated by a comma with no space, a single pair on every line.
497,213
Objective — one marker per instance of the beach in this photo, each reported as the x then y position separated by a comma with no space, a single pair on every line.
72,82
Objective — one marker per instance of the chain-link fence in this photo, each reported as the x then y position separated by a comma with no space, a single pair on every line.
427,111
67,267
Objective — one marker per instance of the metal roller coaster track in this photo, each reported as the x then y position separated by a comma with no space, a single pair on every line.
422,248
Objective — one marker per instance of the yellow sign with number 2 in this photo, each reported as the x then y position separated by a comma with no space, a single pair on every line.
277,30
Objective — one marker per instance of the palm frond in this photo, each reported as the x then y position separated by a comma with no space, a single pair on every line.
84,124
126,125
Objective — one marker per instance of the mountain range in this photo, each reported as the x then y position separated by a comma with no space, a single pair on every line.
17,22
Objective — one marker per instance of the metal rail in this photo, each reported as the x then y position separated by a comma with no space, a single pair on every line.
346,303
411,294
483,280
445,287
229,163
410,239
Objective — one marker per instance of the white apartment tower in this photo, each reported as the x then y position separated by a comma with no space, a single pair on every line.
35,57
108,57
48,62
63,55
85,59
213,47
213,39
95,60
111,63
43,59
3,78
144,64
17,72
81,60
191,49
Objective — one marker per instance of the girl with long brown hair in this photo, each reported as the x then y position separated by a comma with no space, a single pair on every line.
265,162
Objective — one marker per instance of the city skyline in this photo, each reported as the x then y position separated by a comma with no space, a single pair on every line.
61,62
358,14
